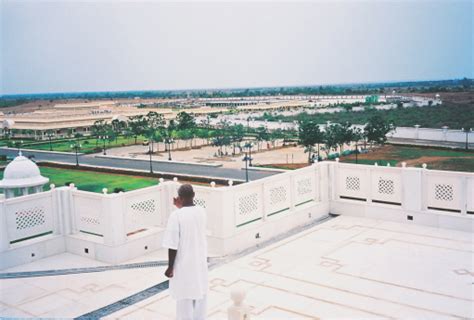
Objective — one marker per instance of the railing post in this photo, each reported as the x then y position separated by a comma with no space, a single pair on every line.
464,195
238,311
56,208
114,214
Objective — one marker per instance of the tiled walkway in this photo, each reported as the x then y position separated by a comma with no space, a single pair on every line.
344,268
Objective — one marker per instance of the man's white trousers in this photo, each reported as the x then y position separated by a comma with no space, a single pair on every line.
188,309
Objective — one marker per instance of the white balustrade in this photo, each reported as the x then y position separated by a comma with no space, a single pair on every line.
272,205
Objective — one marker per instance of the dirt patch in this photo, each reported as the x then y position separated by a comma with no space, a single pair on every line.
421,160
385,152
291,166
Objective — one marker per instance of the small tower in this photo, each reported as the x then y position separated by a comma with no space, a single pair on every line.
21,177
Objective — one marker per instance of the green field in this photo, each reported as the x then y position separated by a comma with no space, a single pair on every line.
88,145
435,158
94,181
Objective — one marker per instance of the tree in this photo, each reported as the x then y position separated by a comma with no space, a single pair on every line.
137,125
237,135
262,135
98,129
376,130
309,134
154,123
331,138
118,127
357,135
185,121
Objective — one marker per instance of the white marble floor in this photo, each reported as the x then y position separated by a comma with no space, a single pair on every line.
345,268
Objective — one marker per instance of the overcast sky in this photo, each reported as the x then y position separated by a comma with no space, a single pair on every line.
69,46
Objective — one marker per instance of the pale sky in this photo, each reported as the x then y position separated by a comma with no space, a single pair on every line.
73,46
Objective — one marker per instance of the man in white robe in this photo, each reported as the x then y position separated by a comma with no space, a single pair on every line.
185,238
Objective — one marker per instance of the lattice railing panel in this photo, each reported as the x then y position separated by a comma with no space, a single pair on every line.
304,186
444,192
386,185
248,205
29,217
352,183
142,211
88,212
277,196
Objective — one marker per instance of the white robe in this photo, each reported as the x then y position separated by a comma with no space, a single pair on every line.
186,232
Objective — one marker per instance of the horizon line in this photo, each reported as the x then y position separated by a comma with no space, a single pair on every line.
234,88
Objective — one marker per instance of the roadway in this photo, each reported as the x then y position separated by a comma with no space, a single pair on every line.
158,167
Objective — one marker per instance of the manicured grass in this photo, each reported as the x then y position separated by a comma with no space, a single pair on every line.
435,158
88,145
94,181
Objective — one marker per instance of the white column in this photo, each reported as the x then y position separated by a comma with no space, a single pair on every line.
114,219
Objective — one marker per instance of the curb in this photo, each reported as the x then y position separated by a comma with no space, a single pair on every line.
169,175
44,151
162,161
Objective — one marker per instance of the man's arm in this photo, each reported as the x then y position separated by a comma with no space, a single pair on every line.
171,257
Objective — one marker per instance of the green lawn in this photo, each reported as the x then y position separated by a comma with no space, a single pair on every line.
88,145
435,158
94,181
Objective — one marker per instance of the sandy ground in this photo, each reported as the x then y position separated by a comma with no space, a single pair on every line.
207,154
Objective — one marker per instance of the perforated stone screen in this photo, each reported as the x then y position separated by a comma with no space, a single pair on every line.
352,183
200,202
143,207
29,218
444,192
386,186
304,186
247,204
278,195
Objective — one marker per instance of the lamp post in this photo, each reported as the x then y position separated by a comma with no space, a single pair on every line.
50,135
169,142
104,139
249,146
247,159
19,144
76,147
151,163
467,131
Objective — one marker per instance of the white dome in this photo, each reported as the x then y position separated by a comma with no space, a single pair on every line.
21,173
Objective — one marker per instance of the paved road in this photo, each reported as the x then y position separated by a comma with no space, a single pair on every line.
431,143
177,168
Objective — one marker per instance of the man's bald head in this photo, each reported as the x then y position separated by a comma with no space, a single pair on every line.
186,192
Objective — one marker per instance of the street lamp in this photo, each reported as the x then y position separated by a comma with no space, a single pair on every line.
249,146
50,135
169,142
467,131
76,147
151,164
104,139
19,144
247,160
